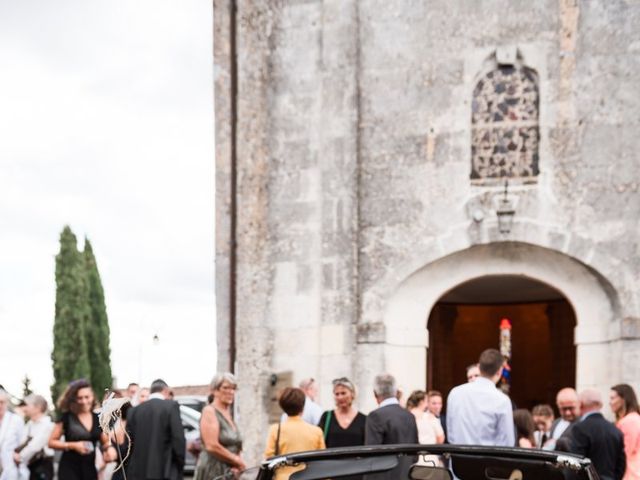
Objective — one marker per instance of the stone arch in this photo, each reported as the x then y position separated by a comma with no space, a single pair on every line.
589,293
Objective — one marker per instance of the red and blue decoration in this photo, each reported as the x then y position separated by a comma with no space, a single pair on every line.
505,350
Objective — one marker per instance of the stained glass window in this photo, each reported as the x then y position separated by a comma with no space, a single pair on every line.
505,133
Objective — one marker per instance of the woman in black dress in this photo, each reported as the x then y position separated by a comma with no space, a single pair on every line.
120,442
344,425
82,435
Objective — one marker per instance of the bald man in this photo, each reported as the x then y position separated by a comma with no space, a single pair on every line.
598,439
569,408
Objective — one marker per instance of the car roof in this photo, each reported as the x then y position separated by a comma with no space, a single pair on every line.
511,454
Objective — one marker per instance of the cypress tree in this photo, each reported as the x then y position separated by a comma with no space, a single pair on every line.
98,326
69,356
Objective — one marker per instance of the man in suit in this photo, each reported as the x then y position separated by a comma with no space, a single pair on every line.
569,407
596,438
390,423
157,438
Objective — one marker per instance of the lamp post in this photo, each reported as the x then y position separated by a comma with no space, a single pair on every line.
505,212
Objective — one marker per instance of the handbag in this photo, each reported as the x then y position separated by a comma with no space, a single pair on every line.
278,439
37,457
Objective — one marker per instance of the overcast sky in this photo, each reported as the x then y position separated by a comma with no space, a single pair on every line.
106,124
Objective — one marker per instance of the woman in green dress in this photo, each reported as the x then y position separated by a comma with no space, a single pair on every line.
221,441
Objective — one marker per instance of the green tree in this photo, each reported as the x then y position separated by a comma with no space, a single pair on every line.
98,327
69,356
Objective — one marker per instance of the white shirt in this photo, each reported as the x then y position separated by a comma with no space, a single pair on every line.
561,426
311,412
429,428
480,414
11,428
389,401
39,431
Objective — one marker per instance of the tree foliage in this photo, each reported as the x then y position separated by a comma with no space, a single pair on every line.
81,329
70,357
98,326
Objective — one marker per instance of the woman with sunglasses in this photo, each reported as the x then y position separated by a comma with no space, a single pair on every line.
344,425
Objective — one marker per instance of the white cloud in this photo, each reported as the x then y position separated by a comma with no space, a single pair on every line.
107,120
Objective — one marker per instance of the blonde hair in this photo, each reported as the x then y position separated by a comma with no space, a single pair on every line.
37,401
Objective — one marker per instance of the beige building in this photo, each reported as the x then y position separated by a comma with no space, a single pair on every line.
362,152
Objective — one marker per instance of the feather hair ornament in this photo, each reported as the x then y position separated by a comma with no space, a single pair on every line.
109,417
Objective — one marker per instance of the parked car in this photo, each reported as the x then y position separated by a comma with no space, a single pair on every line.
191,424
401,462
196,402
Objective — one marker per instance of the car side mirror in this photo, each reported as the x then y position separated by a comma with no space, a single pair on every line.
429,472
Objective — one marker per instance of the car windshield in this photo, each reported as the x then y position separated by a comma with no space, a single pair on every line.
440,462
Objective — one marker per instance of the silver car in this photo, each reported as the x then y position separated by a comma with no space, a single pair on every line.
191,424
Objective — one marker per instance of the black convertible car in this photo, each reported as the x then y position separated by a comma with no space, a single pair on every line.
429,462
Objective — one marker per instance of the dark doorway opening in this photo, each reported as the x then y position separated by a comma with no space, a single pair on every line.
466,320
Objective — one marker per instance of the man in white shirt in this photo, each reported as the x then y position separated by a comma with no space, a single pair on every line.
11,427
477,412
311,412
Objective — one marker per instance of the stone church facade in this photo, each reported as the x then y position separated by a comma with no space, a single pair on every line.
362,149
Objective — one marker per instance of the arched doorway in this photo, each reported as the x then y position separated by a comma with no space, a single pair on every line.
466,320
401,342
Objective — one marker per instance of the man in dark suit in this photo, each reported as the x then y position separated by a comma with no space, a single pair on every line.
596,438
157,437
390,423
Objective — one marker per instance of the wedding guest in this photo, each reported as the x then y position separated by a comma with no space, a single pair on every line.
143,395
34,452
221,440
473,372
624,404
11,428
523,421
429,428
543,420
120,442
80,427
294,434
344,425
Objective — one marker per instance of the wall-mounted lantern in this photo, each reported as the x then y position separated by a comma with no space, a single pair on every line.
505,212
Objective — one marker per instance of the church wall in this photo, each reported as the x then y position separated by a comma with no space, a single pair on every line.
418,71
353,164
